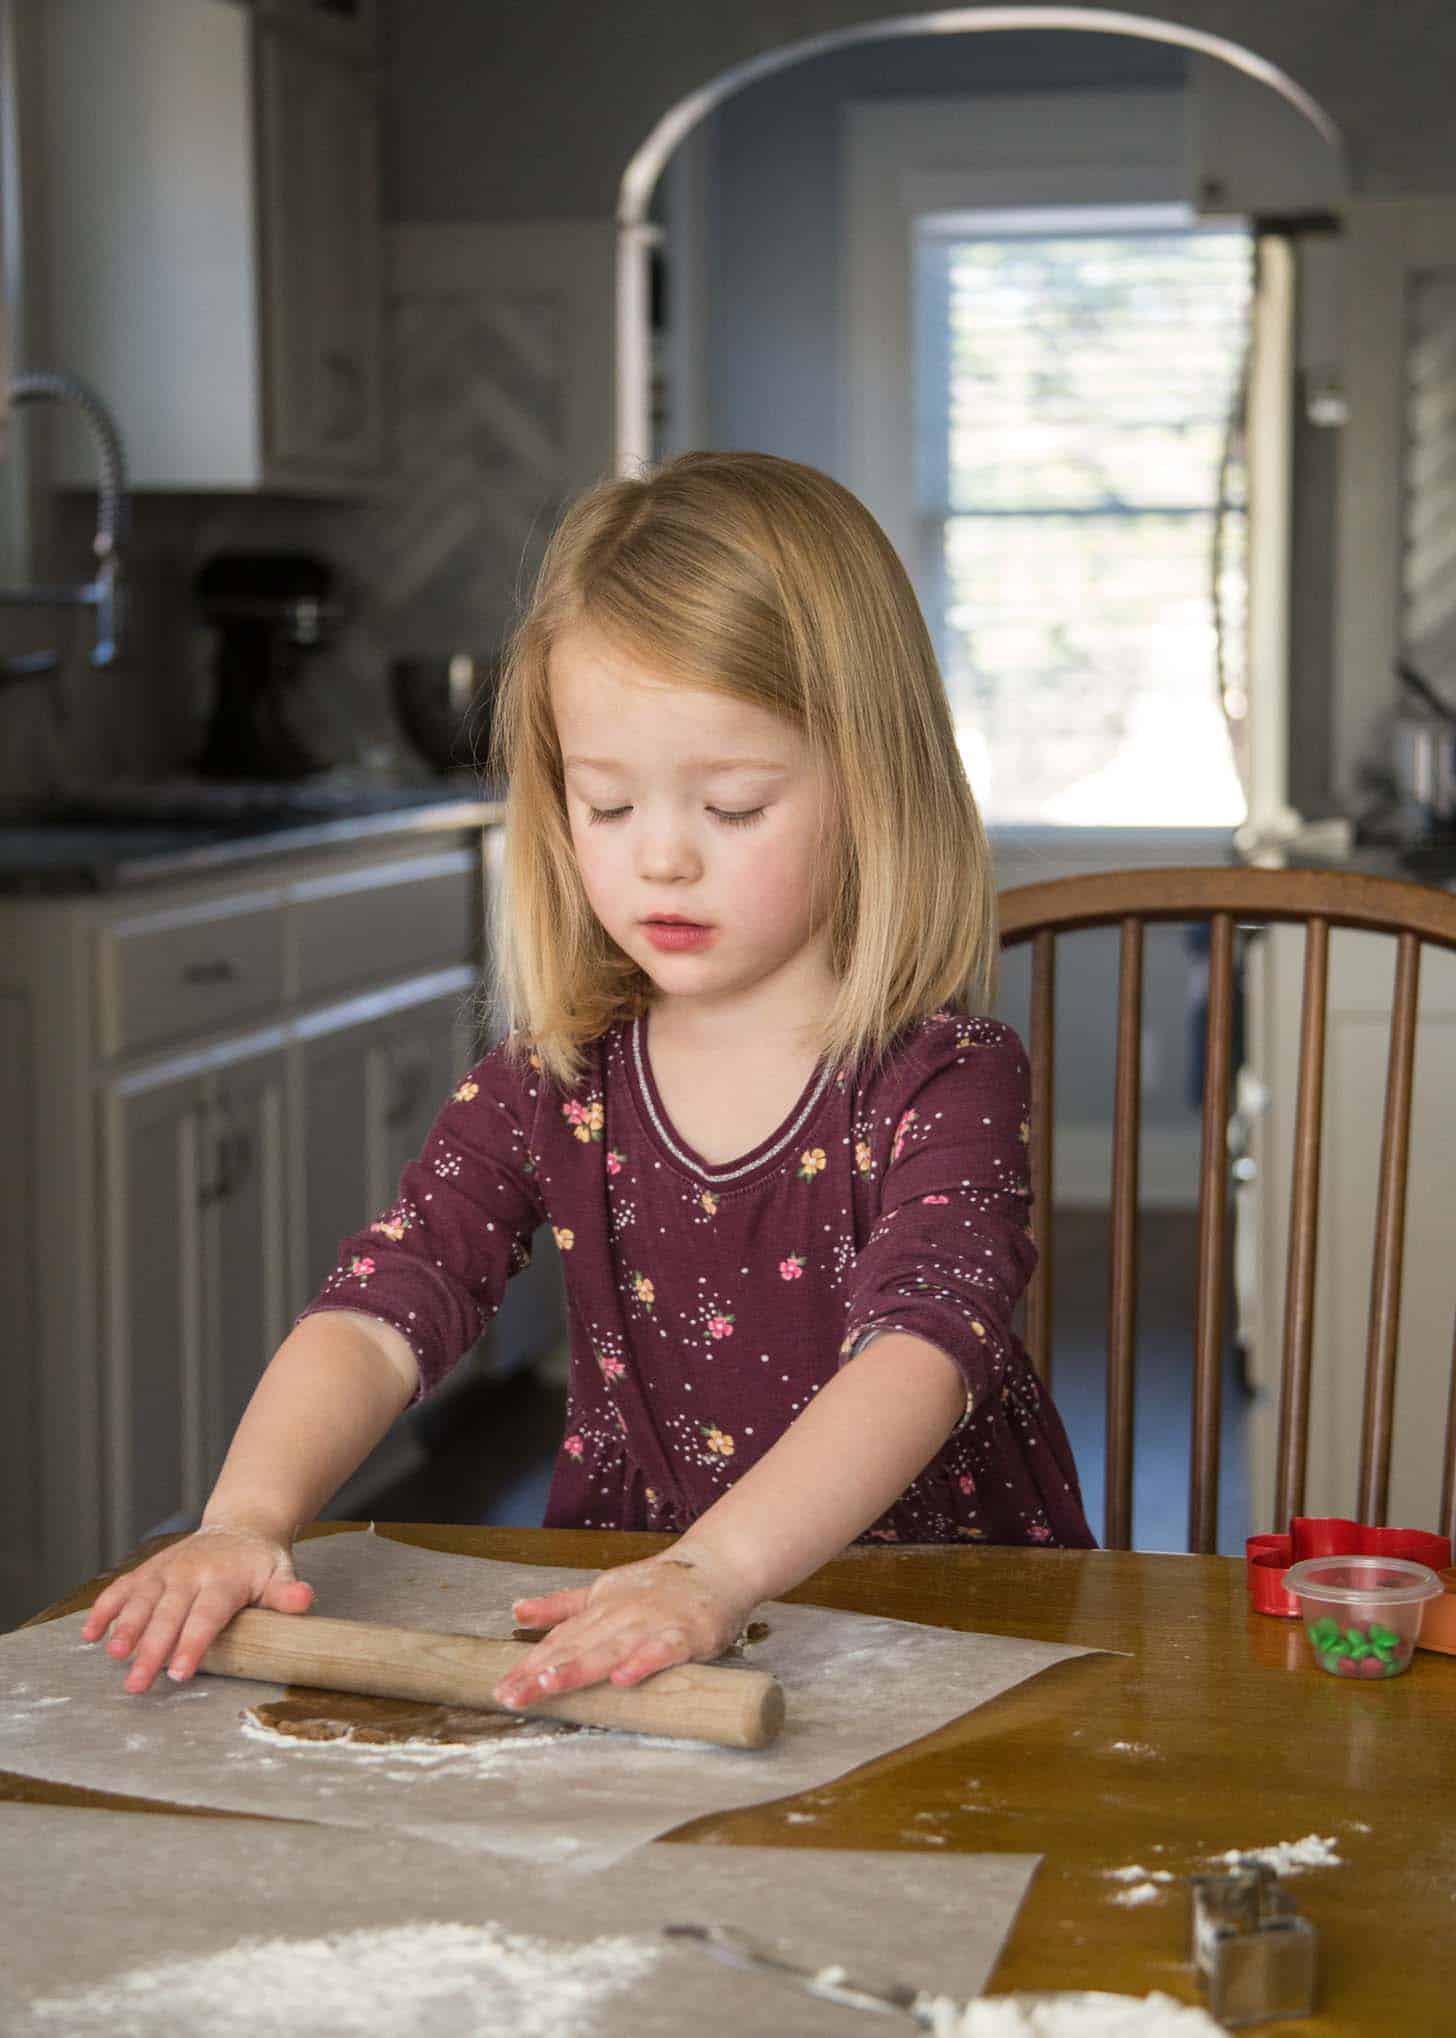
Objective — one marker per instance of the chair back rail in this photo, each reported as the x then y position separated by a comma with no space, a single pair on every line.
1226,899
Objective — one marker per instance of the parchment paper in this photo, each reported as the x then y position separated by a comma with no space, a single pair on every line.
857,1687
90,1895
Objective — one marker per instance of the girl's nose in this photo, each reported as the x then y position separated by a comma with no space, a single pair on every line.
666,855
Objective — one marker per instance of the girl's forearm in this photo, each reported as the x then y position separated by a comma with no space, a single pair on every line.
327,1396
852,1452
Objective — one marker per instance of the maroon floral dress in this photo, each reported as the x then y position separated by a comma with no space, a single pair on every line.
708,1304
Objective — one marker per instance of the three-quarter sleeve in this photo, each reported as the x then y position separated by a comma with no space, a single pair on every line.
436,1262
950,1250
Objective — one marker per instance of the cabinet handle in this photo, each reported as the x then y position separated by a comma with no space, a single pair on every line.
346,403
221,970
234,1150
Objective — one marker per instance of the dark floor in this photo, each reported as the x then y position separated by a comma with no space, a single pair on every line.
494,1464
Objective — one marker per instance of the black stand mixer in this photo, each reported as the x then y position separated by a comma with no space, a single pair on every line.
271,610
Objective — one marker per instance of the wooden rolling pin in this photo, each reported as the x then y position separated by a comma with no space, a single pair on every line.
690,1701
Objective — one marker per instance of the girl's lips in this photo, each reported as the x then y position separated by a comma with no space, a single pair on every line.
676,933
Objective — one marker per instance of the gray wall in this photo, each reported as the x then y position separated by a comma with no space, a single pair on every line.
533,108
777,228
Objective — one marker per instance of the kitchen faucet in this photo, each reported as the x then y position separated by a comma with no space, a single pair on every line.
104,593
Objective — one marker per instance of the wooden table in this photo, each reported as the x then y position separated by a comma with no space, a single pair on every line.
1231,1738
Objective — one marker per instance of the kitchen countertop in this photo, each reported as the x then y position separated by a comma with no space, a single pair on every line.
75,852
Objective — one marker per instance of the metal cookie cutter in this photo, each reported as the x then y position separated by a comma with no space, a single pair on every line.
1256,1954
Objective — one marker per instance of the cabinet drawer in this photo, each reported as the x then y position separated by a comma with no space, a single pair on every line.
189,970
385,920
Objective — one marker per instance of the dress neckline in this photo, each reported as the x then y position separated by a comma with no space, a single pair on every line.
761,1159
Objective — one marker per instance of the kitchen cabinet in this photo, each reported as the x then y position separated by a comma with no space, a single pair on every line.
212,180
370,1079
1357,1021
195,1223
209,1081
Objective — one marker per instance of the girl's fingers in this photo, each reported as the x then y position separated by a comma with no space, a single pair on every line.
594,1660
552,1607
589,1665
105,1607
651,1656
211,1612
132,1620
156,1644
287,1595
540,1673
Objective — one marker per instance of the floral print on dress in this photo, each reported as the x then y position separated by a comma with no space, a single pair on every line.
586,1116
702,1304
396,1221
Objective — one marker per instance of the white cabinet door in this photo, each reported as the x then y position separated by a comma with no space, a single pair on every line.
319,166
244,1240
370,1077
195,1230
153,1321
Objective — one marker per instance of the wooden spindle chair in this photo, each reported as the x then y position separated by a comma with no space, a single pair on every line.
1226,899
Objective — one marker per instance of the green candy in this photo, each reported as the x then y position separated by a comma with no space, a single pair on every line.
1324,1632
1359,1651
1338,1647
1383,1636
1355,1637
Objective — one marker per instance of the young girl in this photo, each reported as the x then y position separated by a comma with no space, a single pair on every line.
748,922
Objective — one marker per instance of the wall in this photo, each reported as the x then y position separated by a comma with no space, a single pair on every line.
532,111
776,218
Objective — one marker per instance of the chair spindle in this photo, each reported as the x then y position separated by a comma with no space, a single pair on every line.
1303,1242
1385,1282
1446,1525
1043,1105
1212,1241
1123,1263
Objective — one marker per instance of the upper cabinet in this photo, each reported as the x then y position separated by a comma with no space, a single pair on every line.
212,192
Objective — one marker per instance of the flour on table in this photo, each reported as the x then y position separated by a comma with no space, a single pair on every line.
490,1982
1142,1884
1079,2014
1287,1857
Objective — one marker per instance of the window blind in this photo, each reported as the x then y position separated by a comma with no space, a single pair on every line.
1073,414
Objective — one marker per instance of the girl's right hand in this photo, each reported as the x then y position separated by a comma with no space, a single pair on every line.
176,1603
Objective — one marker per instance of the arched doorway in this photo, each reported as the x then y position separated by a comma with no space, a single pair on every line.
642,172
875,469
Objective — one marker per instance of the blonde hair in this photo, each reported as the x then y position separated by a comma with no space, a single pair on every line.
758,578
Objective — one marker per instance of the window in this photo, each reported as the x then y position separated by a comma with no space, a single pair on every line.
1077,373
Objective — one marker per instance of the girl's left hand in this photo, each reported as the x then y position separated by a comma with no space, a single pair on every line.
625,1625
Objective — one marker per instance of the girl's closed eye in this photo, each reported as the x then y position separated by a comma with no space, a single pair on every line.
739,820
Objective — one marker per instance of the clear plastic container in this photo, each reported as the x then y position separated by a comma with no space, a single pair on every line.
1362,1614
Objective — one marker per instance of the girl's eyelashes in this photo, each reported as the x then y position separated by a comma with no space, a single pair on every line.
741,820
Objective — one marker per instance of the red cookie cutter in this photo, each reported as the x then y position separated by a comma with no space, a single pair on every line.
1267,1558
